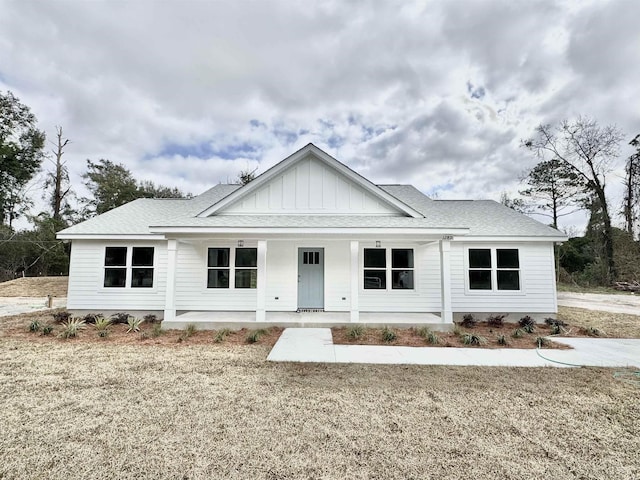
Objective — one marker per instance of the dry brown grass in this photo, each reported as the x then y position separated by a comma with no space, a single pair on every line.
618,325
35,287
73,409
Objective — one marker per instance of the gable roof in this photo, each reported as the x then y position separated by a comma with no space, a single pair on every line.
289,162
153,218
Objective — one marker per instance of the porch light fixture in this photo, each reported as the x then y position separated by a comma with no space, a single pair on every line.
378,244
241,243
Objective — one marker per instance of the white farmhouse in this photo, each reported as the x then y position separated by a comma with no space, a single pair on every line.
312,242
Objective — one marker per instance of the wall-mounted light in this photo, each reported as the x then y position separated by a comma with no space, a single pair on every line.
241,243
378,244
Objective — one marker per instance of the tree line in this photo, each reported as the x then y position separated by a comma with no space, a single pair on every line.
23,155
575,160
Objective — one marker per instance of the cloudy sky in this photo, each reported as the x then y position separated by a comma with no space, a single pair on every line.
433,93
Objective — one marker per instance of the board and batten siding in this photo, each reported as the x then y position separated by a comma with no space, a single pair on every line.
310,187
86,279
537,280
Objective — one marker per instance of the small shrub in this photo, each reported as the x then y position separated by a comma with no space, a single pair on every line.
189,330
457,331
34,326
144,336
221,335
62,316
102,326
150,318
47,329
593,332
120,318
518,333
254,336
91,318
496,321
71,328
557,329
157,330
473,339
502,340
468,321
542,342
134,324
354,332
388,335
527,324
554,322
433,338
424,332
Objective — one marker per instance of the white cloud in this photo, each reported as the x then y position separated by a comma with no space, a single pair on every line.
383,86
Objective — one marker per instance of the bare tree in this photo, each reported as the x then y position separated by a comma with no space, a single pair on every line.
587,150
246,176
58,179
631,200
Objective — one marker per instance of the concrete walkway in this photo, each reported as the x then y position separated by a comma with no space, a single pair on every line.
18,305
622,303
316,345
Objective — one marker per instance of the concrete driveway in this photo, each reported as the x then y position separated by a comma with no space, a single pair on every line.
18,305
629,304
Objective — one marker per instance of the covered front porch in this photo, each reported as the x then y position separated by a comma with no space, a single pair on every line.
238,320
349,291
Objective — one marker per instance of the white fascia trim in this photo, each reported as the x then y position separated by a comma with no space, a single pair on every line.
284,164
100,236
312,230
511,239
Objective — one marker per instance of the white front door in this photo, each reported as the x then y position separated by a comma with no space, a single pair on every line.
310,278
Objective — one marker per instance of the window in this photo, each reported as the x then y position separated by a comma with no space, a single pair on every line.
118,266
375,264
311,258
402,268
244,270
115,266
246,267
483,269
376,271
218,268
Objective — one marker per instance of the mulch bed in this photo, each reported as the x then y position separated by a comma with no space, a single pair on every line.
410,337
18,327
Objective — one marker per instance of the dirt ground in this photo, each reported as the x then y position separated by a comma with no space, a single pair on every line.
614,325
35,287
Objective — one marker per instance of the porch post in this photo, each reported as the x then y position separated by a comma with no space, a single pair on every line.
170,293
261,288
445,280
355,304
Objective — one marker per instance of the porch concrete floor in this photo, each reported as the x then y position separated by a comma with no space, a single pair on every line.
316,345
237,320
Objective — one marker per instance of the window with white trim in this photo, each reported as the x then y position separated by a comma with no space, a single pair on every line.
494,269
135,264
243,269
393,266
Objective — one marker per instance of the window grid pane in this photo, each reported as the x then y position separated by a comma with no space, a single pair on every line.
142,257
218,257
142,277
402,258
115,256
480,279
246,257
218,278
375,279
479,258
402,279
115,277
507,258
246,278
508,280
375,258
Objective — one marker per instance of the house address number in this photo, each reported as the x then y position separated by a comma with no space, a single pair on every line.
447,237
